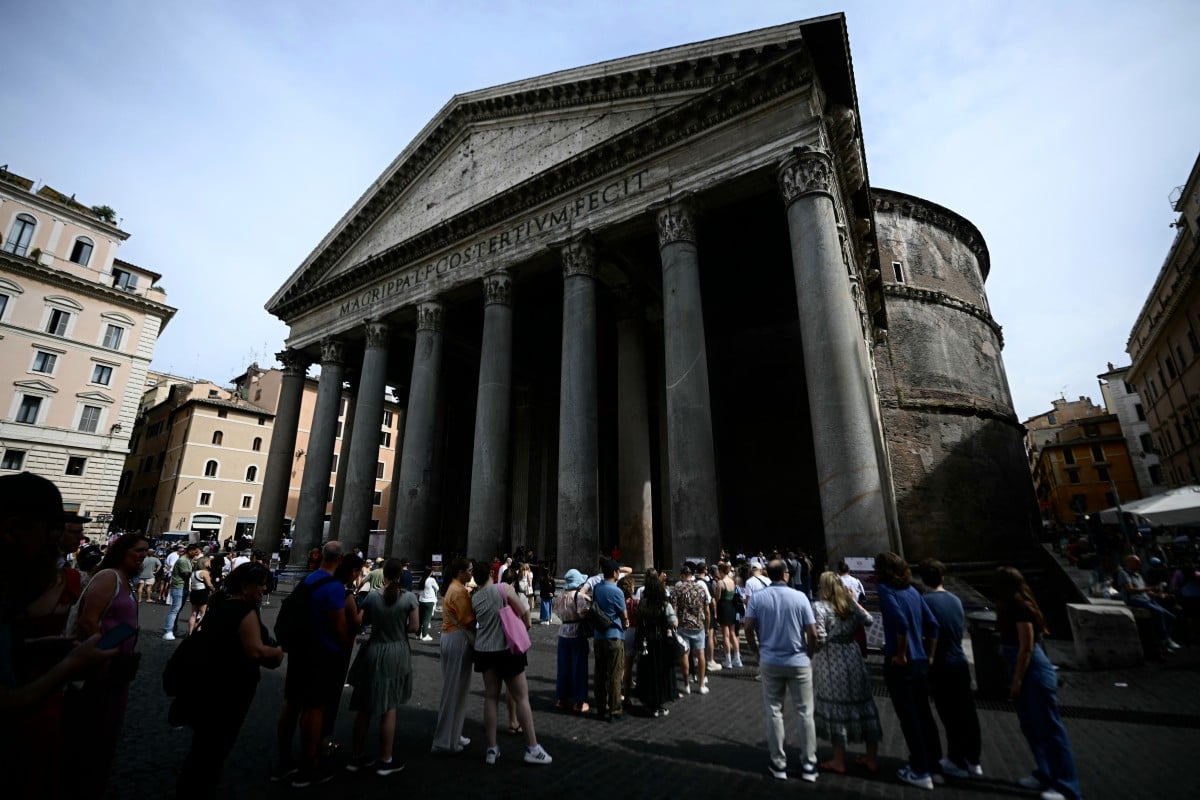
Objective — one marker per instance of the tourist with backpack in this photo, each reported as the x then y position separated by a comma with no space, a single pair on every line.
571,683
312,628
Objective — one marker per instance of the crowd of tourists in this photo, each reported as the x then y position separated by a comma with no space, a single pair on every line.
68,654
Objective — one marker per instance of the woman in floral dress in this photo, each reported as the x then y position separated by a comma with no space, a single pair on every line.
844,709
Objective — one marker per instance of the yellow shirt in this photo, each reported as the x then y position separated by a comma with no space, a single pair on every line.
456,605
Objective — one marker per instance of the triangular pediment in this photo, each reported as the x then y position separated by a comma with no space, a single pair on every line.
36,386
95,397
491,153
491,157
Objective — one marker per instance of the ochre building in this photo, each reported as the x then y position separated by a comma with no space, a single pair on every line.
655,303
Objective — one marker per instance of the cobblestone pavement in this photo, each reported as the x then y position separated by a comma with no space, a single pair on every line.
1132,741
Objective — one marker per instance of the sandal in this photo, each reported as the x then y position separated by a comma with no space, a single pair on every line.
516,730
827,766
582,708
872,769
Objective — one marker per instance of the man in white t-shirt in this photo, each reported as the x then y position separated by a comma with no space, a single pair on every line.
755,583
244,558
850,582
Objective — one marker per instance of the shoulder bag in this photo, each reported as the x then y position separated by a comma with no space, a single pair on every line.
515,632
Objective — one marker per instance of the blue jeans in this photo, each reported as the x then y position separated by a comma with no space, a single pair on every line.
909,688
545,611
1162,617
1037,711
571,683
176,607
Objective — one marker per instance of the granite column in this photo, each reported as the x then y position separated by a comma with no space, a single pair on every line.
269,529
364,442
314,486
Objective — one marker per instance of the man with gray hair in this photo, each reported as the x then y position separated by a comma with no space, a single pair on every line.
787,636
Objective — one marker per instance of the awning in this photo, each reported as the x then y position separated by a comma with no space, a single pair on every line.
1175,507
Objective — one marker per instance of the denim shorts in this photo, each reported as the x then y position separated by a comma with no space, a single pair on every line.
695,639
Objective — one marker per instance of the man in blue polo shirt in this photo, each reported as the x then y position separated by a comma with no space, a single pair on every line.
787,636
610,643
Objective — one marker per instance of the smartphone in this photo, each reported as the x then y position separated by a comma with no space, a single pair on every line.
116,636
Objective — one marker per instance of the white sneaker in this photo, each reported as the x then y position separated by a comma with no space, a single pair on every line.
907,775
1053,794
492,754
1173,645
168,636
975,769
728,664
953,770
714,666
1029,782
778,774
810,773
687,689
537,755
427,638
737,662
463,741
704,688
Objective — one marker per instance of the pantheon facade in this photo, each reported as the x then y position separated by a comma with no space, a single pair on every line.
655,303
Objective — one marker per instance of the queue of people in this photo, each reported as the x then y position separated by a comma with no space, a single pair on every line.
652,644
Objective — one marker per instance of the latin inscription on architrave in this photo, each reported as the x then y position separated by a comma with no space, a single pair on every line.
475,252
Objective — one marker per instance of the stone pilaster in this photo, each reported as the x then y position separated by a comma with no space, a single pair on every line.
487,532
413,534
845,440
578,409
314,486
692,462
269,529
364,444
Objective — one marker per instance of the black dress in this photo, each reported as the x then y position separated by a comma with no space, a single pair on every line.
655,652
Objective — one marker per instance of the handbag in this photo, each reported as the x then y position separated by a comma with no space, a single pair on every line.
515,632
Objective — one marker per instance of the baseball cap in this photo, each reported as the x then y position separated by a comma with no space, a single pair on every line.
26,493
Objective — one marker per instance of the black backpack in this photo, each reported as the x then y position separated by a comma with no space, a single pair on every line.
294,628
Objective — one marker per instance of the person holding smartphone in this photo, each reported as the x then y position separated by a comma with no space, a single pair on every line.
108,603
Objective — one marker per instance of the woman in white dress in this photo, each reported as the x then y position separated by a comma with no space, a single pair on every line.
844,707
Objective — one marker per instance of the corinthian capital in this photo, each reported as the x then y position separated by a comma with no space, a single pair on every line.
376,334
332,351
497,288
429,317
806,171
676,222
579,257
295,363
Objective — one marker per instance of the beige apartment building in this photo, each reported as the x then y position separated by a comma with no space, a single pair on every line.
78,328
199,450
1164,345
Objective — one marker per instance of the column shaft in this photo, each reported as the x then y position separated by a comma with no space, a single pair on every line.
578,446
269,529
314,486
487,514
414,530
835,364
364,442
343,467
693,472
635,497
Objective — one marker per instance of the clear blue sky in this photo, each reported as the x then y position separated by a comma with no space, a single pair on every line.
231,136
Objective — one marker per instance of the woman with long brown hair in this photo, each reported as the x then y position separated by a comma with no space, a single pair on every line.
1034,688
726,590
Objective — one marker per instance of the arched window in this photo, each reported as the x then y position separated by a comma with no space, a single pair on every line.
257,444
210,469
251,474
218,437
81,253
20,235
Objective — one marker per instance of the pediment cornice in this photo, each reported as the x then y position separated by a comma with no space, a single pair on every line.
722,85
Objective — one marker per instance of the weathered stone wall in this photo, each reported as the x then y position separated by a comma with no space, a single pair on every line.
963,490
